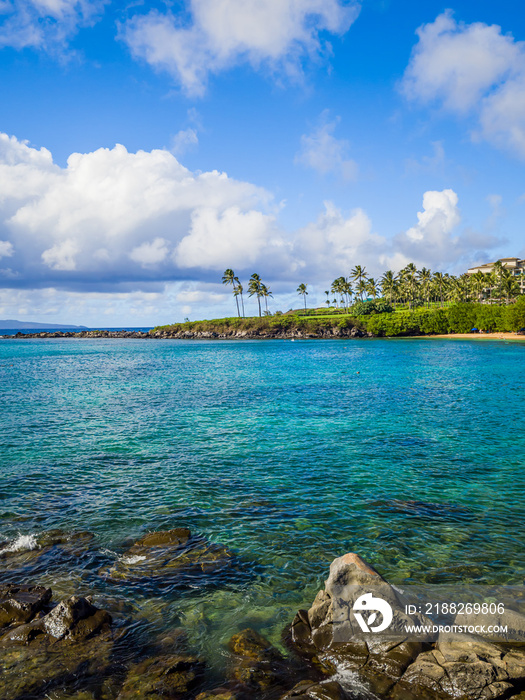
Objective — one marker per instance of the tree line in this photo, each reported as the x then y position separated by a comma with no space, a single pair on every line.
409,287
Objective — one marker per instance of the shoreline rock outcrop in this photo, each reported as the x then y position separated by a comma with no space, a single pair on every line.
251,334
394,666
332,651
53,646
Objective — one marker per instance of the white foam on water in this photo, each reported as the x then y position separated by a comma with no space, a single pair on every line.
23,543
133,559
351,681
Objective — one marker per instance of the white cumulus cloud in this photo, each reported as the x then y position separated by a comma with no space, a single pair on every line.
111,216
6,249
472,69
334,243
150,253
62,255
118,223
45,24
222,33
323,152
229,238
436,241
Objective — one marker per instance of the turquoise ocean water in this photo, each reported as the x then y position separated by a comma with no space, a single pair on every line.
409,452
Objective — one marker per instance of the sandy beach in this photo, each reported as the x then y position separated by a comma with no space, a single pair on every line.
475,336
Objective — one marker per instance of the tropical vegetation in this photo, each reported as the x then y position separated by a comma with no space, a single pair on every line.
410,289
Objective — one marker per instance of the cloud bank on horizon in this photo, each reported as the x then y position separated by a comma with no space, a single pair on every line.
118,220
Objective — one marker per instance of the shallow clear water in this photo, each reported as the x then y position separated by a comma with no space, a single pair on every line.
409,452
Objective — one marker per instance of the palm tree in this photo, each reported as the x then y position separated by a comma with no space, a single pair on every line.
425,276
265,294
301,290
479,283
327,302
408,275
496,277
255,288
358,274
337,290
388,285
238,293
509,285
372,288
361,288
229,278
348,291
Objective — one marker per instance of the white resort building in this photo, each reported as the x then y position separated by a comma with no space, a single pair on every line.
516,266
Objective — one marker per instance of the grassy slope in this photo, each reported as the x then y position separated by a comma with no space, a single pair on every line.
283,323
458,318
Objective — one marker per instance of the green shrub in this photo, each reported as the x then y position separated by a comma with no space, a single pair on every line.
372,306
461,318
514,315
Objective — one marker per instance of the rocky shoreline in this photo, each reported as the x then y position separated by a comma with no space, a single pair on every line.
334,332
79,648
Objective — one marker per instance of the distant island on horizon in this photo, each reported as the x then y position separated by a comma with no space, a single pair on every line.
11,324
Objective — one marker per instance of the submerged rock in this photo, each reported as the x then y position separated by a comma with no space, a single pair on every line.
176,537
168,555
423,509
74,543
217,694
163,677
34,554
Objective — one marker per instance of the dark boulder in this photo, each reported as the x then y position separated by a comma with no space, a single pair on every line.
19,604
256,665
71,642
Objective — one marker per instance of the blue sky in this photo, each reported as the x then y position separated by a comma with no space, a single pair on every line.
145,147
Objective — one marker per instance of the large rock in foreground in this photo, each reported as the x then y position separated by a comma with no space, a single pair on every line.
462,667
392,664
72,641
330,636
